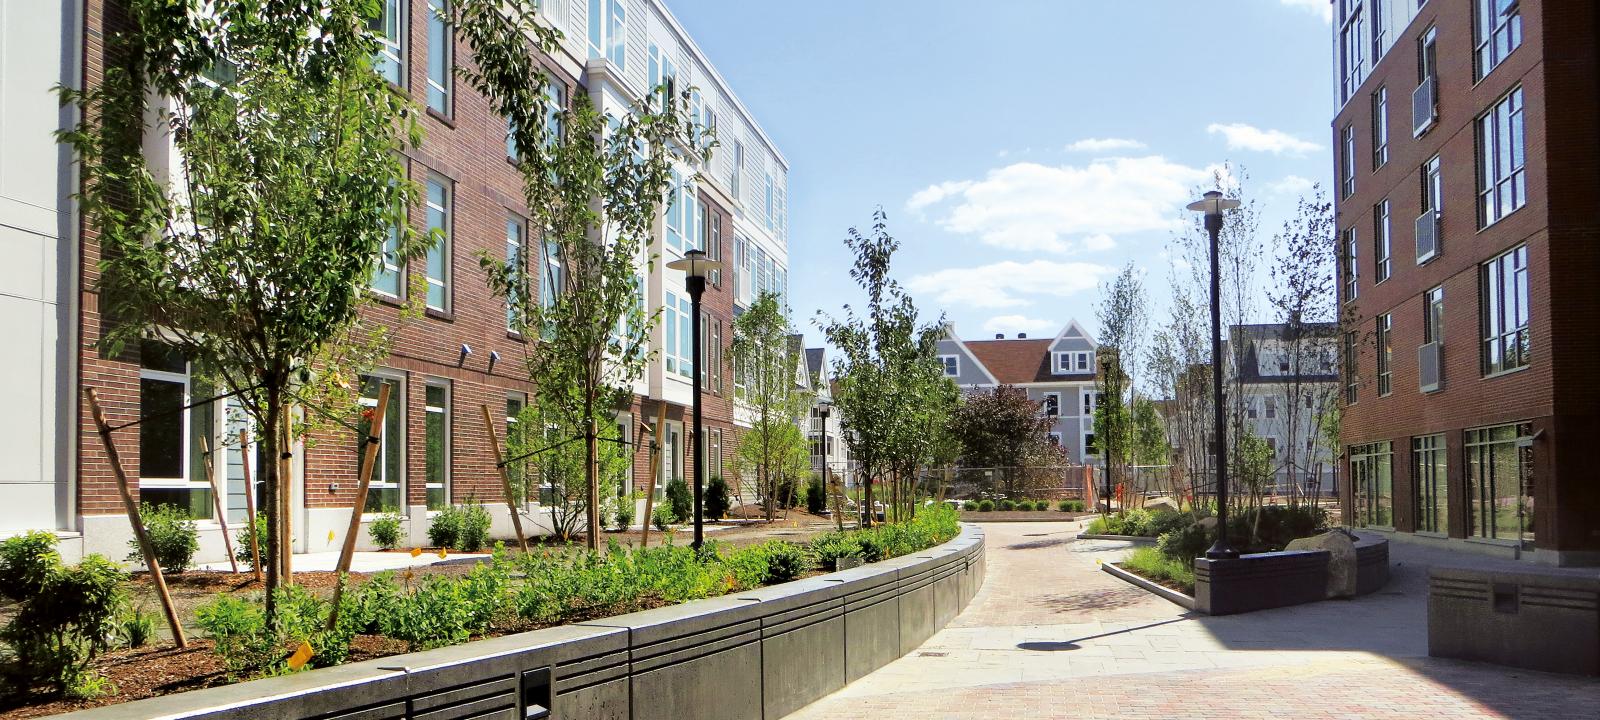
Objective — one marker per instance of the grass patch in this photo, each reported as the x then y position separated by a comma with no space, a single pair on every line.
1150,564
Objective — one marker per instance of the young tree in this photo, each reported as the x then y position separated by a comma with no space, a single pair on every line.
251,249
773,450
1123,319
1305,304
594,186
1001,429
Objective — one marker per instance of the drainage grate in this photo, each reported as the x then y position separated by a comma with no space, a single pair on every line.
930,653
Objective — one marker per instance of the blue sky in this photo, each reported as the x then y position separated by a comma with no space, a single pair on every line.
1024,149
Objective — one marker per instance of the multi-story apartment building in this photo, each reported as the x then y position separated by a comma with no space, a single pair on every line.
443,367
1288,389
1468,209
1058,373
830,450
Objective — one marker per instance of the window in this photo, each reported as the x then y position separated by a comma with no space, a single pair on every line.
555,104
1504,298
1271,407
714,244
1432,209
1352,42
714,454
1052,404
1499,475
438,259
1091,400
554,280
1083,361
171,464
1250,408
1090,447
677,213
386,276
1428,468
1380,32
607,31
1380,242
696,222
515,443
716,359
675,322
1352,270
1372,477
1380,128
1502,186
384,493
768,207
515,264
1067,363
663,76
436,442
1055,439
1347,160
738,168
1385,352
1428,58
1350,367
390,29
1433,315
440,62
952,365
1499,26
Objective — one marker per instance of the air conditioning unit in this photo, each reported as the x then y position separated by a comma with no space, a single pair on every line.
1430,367
1424,107
1427,236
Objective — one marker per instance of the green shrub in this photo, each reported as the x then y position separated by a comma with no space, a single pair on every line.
785,561
1151,564
816,496
241,541
385,531
445,530
63,617
1185,543
625,512
970,505
173,537
136,627
238,632
716,499
662,517
829,547
1007,505
1070,506
985,505
475,524
680,500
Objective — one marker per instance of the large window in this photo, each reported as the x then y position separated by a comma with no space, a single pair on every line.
608,31
1352,266
515,443
390,29
1052,404
1352,43
1385,352
1347,161
678,213
676,319
516,263
1502,184
1499,474
386,491
386,276
1499,30
1372,478
951,365
714,244
1381,244
738,169
663,76
1380,127
1433,315
441,63
171,439
555,104
554,279
1504,298
1428,469
436,438
1351,367
438,258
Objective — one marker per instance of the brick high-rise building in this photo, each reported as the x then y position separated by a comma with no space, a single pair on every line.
445,366
1468,201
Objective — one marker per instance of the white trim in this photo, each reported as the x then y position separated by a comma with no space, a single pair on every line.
962,345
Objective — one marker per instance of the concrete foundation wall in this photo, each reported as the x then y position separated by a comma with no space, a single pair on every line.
754,655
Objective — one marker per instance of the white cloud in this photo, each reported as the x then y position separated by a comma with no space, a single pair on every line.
1105,145
1320,7
1291,185
1013,324
1004,284
1248,137
1031,207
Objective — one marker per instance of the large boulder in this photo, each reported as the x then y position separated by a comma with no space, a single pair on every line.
1160,504
1341,561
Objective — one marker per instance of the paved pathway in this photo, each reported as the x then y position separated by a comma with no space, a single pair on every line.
1051,636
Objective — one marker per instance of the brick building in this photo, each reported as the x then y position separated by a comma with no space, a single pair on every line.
443,367
1468,202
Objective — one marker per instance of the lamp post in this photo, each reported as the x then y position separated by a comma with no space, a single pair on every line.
1213,205
696,266
1106,445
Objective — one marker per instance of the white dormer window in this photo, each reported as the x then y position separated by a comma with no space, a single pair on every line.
1072,363
952,365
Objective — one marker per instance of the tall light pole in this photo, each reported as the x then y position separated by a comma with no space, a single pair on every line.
1213,205
696,266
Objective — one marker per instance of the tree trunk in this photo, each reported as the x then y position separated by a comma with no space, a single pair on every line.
269,479
592,471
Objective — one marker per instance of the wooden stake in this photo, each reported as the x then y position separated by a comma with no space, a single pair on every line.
285,462
139,533
250,502
655,470
505,479
216,500
369,458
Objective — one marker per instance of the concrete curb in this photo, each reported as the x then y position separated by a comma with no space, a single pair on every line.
1140,539
1166,593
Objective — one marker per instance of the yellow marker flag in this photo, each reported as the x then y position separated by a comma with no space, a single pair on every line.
330,536
416,552
301,656
443,553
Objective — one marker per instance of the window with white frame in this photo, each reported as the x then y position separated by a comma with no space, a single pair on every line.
951,364
438,256
1055,439
1433,315
436,442
1502,185
1385,333
1052,404
738,169
171,464
1352,44
514,442
516,265
1503,295
1347,160
554,279
608,31
1352,271
676,320
1380,127
555,105
1499,31
389,27
1380,241
1091,400
386,276
714,244
769,208
386,493
678,213
1351,366
441,63
663,76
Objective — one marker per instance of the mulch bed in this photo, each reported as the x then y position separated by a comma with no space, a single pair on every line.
1018,515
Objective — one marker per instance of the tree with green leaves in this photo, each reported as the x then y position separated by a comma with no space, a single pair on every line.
594,185
1123,315
250,247
773,451
1001,430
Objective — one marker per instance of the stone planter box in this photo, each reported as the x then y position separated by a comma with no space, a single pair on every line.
1535,618
760,654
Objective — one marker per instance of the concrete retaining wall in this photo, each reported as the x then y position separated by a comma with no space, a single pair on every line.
755,655
1538,618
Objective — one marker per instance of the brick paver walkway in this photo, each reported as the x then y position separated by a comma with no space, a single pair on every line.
1051,636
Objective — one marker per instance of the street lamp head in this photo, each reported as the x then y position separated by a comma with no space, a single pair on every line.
1214,203
695,264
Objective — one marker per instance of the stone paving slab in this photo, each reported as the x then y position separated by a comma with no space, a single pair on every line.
1050,635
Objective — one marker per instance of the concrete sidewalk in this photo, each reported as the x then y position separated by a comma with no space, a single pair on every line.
1050,635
